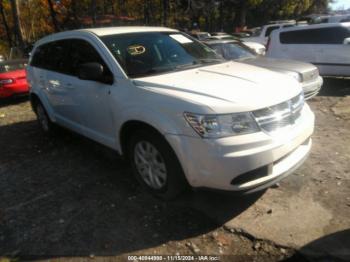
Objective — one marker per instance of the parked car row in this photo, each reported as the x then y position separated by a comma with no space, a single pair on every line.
172,106
305,73
203,36
325,45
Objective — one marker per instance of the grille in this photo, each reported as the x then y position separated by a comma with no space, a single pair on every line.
283,115
310,75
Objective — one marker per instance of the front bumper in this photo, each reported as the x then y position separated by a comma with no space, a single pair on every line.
312,88
244,163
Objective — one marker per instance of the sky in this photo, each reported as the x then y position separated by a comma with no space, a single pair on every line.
340,4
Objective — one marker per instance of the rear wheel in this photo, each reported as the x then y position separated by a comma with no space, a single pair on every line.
155,165
43,118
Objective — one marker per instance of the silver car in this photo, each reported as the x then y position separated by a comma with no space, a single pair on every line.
307,74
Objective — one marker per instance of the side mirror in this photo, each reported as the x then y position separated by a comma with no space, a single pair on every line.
91,71
347,41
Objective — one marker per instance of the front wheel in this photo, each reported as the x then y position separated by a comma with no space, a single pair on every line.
155,165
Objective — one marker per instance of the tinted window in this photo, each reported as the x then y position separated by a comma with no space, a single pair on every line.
330,35
82,52
270,29
52,56
39,56
143,54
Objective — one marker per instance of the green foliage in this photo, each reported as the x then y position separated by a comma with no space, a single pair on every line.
37,19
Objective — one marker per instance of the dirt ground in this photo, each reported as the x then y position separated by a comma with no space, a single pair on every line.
66,198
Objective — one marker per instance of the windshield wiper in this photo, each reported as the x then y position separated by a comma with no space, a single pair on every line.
194,64
212,60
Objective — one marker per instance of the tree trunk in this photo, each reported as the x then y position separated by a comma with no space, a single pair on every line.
53,16
93,11
243,13
3,16
165,12
146,12
75,14
221,15
16,24
122,8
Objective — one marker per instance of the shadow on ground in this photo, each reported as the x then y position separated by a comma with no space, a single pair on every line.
67,196
13,100
332,247
335,87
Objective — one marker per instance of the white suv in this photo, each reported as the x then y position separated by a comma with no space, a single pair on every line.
173,107
325,45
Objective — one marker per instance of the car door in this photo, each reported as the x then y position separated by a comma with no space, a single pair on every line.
294,44
57,83
89,101
37,72
332,52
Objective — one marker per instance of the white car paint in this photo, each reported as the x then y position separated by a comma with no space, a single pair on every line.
262,35
332,59
258,48
99,112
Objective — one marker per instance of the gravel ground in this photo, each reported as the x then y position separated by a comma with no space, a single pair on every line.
67,198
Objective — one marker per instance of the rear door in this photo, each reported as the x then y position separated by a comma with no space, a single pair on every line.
295,45
332,54
57,82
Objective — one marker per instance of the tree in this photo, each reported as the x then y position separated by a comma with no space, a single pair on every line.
165,12
93,11
4,20
53,15
16,27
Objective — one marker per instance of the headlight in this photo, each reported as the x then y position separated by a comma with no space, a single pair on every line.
296,76
5,81
216,126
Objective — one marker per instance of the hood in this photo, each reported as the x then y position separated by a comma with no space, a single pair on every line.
225,88
280,64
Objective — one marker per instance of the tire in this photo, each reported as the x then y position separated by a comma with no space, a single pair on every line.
151,156
43,119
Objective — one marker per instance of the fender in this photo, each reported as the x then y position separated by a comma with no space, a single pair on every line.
43,99
163,123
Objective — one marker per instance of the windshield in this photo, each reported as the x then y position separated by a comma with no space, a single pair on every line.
10,66
151,53
233,51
